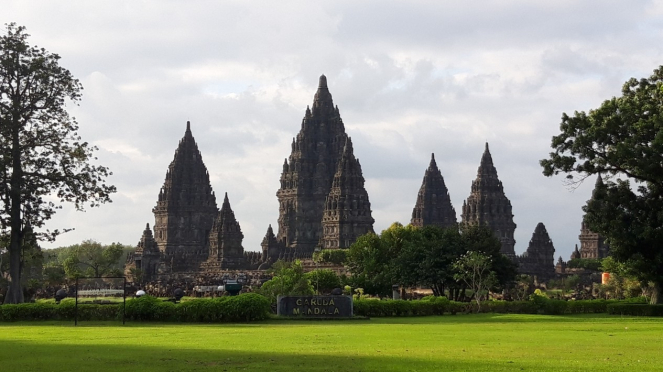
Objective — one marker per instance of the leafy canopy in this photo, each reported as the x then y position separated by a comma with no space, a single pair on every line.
622,140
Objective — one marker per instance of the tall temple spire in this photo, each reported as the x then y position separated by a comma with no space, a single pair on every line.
347,213
322,101
486,167
488,205
145,258
592,245
307,178
433,206
185,209
225,240
271,248
539,259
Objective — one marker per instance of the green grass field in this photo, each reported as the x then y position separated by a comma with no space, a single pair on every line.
487,342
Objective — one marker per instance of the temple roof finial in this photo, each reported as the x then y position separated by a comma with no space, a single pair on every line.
322,82
188,126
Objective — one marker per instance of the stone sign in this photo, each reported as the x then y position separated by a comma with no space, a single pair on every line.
315,306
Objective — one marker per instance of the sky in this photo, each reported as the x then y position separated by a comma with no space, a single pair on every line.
410,78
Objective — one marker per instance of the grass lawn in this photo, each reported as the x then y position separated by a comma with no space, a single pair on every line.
486,342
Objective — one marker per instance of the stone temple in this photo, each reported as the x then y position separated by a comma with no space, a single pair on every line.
488,205
433,206
322,203
322,181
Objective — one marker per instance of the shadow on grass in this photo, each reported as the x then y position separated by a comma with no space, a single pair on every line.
60,356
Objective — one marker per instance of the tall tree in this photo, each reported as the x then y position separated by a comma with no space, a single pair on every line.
43,161
622,141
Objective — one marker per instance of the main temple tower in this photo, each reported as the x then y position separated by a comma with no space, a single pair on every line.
185,210
488,205
309,171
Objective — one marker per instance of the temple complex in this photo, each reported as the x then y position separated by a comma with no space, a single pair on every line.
323,204
488,205
321,185
433,206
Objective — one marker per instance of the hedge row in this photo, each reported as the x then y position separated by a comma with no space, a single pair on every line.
440,306
428,306
65,311
635,309
251,306
245,307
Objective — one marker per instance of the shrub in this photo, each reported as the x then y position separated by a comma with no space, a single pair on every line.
377,308
64,311
635,309
334,256
245,307
585,263
323,280
142,308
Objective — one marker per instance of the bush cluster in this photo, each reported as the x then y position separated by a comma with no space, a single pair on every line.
440,305
377,308
64,311
242,308
635,309
334,256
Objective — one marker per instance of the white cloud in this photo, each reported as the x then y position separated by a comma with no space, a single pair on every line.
410,78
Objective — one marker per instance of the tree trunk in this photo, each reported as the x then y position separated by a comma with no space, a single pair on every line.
15,292
656,294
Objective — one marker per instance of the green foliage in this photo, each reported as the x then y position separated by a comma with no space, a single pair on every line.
422,257
43,161
63,311
288,280
245,307
474,269
441,305
388,308
323,280
334,256
622,141
585,263
426,258
368,260
91,259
